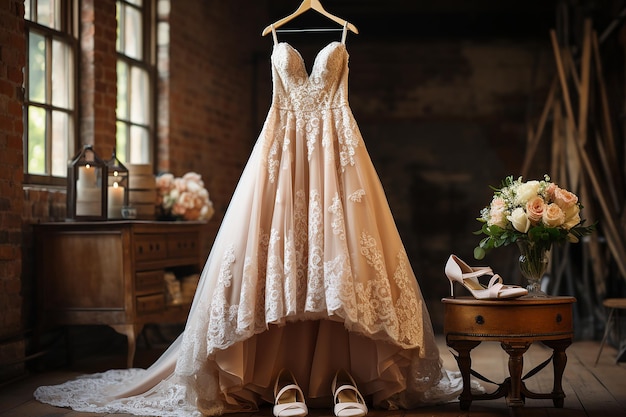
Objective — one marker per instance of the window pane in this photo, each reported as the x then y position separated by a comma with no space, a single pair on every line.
62,74
122,90
121,142
36,140
132,33
27,14
139,96
61,138
49,13
139,145
36,68
118,18
137,2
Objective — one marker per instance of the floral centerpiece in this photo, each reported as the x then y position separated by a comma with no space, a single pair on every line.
183,197
533,214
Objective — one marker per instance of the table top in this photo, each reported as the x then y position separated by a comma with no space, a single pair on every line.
517,302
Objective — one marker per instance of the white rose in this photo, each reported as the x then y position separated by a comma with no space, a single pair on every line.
526,191
519,220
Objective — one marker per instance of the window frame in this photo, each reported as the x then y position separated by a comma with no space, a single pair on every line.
148,64
67,34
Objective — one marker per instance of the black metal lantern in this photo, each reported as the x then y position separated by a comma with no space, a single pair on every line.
86,186
117,187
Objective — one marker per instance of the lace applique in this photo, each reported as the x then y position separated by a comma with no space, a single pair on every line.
274,307
315,279
293,286
223,315
407,304
337,223
301,239
263,250
272,161
357,196
340,295
348,139
378,309
86,393
247,305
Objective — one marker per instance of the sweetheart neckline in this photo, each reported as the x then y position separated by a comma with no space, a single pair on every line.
302,61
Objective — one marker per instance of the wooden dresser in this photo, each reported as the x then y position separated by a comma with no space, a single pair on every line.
112,273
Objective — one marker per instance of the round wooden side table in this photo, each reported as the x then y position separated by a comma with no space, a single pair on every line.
516,324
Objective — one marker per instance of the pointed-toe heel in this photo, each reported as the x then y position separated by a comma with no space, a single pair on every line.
460,272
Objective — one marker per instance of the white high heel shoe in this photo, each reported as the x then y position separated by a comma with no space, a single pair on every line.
348,400
458,271
288,397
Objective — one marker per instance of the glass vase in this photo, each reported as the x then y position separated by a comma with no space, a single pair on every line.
533,262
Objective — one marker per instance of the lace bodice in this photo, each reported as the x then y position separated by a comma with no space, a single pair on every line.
326,87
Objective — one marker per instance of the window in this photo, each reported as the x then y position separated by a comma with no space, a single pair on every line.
135,69
50,89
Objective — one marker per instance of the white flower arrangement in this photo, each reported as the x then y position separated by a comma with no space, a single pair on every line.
536,211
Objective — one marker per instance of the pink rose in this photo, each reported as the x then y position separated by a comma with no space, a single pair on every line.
553,216
496,213
565,199
534,209
550,191
572,217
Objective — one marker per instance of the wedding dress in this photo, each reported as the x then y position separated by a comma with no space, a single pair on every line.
307,273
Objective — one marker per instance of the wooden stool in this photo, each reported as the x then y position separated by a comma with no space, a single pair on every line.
516,324
612,304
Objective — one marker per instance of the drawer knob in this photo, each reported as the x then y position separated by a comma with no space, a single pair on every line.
559,318
480,320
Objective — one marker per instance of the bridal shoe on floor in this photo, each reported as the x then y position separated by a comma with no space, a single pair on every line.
348,400
458,271
288,397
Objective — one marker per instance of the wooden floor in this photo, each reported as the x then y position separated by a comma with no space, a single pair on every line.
594,391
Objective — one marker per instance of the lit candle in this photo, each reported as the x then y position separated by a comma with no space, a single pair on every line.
115,201
88,196
87,176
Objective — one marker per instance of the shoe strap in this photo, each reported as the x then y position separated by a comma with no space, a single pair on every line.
288,388
496,279
478,272
348,387
495,285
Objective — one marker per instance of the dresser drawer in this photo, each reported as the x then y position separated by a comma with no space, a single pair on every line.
149,281
150,247
183,245
150,303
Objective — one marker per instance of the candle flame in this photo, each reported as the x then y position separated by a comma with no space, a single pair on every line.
87,166
115,173
115,185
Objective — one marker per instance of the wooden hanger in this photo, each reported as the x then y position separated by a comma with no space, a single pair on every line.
304,6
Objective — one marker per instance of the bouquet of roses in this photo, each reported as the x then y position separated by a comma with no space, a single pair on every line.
537,211
184,197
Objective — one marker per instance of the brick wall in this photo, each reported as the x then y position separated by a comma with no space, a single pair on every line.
12,58
98,77
209,116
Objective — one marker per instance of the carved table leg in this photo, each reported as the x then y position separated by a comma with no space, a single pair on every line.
559,361
463,347
516,352
131,331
